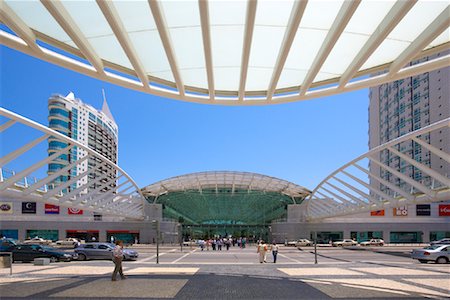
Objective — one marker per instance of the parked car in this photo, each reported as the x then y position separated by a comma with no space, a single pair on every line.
28,252
6,244
303,243
345,242
291,243
102,251
445,241
68,242
440,254
373,242
190,243
38,240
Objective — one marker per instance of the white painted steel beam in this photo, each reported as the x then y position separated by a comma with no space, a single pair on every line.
112,16
395,15
432,149
6,159
14,42
10,187
358,191
441,23
422,167
6,125
167,43
344,15
80,188
60,14
347,194
405,178
247,45
52,177
4,185
390,185
371,188
291,31
206,35
12,20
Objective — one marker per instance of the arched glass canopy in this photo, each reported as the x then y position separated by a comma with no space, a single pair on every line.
225,198
233,52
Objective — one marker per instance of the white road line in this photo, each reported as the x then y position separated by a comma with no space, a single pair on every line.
180,258
291,259
154,256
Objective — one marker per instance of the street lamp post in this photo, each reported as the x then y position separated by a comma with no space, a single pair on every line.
155,225
315,247
180,230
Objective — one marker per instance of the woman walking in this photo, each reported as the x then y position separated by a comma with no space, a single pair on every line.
274,249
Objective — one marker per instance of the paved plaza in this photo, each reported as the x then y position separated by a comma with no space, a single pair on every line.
382,273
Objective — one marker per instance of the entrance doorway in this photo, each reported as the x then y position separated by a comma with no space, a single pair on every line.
205,231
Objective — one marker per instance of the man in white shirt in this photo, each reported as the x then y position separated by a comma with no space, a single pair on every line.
262,250
117,259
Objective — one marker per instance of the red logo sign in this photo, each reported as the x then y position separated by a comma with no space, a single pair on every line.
51,209
74,211
378,213
444,210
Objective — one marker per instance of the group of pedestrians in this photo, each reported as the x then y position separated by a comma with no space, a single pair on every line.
217,244
262,250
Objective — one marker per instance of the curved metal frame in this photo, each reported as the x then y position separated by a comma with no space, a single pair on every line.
225,179
351,79
346,192
115,192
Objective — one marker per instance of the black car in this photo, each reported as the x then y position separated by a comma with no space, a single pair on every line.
6,245
28,252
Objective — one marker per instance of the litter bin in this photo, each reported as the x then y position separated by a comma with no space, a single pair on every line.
6,261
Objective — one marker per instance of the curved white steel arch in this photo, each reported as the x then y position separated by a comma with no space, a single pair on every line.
266,75
353,188
115,193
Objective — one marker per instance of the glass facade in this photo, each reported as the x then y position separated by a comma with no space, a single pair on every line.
406,237
9,233
224,206
437,235
361,236
45,234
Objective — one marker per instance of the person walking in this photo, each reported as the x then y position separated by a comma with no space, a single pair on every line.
274,249
261,250
117,259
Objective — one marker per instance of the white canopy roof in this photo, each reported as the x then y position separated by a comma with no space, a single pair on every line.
232,52
215,180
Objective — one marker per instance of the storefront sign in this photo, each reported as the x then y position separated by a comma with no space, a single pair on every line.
444,210
377,213
6,207
74,211
423,210
401,211
51,209
28,207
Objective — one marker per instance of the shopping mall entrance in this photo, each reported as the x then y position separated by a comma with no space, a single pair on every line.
251,232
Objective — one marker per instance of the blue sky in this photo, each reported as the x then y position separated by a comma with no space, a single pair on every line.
159,138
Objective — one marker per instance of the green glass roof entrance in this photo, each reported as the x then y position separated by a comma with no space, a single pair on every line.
225,198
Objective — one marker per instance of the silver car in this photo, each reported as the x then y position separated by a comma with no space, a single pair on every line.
440,254
102,251
445,241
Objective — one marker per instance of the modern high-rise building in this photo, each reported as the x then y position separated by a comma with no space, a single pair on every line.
402,106
90,127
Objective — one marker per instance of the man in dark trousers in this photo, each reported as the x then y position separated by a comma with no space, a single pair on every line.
117,259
